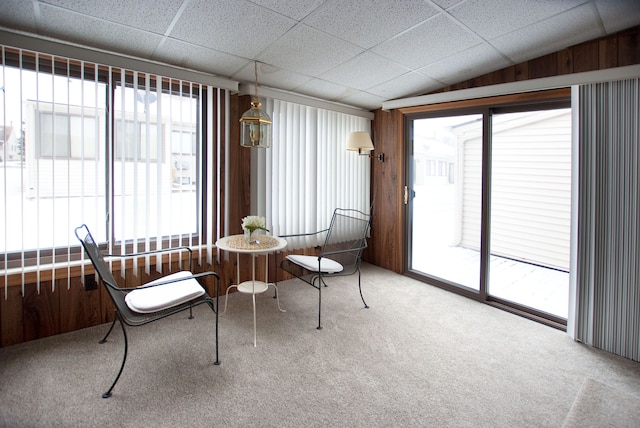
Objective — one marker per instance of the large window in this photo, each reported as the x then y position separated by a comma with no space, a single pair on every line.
116,149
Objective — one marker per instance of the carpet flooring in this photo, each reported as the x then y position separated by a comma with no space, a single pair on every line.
418,357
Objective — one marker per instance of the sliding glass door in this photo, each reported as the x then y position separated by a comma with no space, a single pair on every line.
531,209
445,195
489,204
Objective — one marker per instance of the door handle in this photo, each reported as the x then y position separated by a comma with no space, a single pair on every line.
406,195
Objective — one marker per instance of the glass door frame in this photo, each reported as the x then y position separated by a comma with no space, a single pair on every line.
486,108
409,194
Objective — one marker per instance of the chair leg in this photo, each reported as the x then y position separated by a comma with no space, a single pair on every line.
319,302
217,361
124,358
217,311
104,339
360,288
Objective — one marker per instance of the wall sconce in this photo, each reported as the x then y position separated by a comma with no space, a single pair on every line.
255,124
361,141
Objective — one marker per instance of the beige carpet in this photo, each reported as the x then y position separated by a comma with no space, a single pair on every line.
418,357
599,405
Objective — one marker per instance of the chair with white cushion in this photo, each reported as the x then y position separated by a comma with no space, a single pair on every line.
150,302
340,255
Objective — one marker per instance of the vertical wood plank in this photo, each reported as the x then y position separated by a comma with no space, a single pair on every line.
11,318
608,53
544,66
107,307
629,47
586,57
240,174
565,61
385,245
505,75
522,71
41,311
79,308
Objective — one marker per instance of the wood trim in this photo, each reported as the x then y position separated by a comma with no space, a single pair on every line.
526,97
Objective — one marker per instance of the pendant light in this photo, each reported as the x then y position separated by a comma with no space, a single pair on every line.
255,124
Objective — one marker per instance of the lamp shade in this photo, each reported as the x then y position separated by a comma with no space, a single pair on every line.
360,141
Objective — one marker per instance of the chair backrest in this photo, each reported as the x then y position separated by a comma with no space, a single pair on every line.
347,238
102,268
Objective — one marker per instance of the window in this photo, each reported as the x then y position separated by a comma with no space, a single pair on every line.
119,150
183,142
66,136
154,190
131,141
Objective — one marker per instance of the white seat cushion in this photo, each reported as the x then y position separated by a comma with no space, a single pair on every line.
153,299
311,263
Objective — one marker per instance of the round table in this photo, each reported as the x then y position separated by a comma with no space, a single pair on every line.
262,246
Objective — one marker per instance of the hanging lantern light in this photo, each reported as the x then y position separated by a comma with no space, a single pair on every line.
255,124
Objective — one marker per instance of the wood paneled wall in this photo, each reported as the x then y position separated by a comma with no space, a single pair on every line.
64,304
388,178
387,184
617,50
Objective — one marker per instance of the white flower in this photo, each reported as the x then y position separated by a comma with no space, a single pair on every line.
254,222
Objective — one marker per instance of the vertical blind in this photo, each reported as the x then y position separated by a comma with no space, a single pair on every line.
156,179
119,150
307,173
608,272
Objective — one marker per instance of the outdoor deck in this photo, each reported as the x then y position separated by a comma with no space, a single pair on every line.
538,287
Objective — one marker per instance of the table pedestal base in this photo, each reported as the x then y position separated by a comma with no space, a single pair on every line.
253,288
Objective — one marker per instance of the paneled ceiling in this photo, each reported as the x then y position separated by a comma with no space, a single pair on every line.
356,52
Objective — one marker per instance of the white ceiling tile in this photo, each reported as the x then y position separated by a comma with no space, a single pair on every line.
21,16
269,75
446,4
194,57
293,9
436,38
233,26
308,51
407,85
363,100
464,65
328,49
364,71
617,15
491,19
325,90
150,15
89,31
566,29
385,19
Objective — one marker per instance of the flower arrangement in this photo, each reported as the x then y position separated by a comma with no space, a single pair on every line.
253,223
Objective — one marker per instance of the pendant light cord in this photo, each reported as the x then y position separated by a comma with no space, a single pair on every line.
255,68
